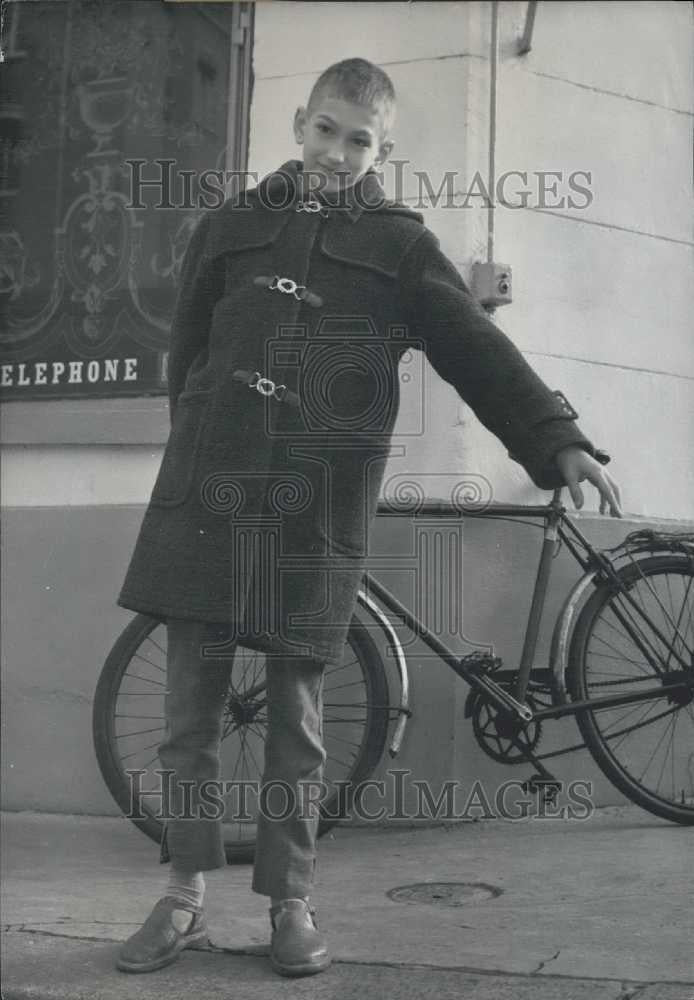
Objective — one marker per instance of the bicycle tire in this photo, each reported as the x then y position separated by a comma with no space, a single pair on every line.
613,735
112,759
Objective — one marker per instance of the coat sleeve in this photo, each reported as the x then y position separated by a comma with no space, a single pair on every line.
485,367
201,284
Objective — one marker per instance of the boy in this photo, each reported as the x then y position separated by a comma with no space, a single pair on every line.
296,303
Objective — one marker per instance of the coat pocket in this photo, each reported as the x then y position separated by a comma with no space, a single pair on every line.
177,470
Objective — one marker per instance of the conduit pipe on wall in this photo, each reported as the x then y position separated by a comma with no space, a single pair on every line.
524,46
525,43
493,66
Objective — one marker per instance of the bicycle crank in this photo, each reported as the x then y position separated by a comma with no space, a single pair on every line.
503,736
482,665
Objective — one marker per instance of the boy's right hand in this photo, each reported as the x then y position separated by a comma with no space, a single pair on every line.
575,465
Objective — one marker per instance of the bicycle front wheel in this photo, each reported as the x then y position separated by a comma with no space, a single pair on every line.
128,725
645,748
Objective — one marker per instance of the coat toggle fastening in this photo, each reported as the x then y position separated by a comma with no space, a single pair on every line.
274,283
266,387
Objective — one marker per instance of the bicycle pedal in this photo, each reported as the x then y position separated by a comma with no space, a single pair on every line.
548,788
480,663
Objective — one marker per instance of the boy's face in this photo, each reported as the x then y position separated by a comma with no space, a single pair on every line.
341,142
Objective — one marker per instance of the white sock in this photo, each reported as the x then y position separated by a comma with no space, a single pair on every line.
187,886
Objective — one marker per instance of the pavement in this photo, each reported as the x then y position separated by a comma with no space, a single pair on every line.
594,909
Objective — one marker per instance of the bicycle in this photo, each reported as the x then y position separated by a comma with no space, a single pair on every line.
621,662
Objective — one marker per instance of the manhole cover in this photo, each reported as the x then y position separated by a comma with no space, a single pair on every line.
444,893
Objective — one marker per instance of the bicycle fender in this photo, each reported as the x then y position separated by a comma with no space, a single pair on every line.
404,711
561,636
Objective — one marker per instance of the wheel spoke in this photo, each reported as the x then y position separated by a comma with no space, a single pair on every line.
147,680
134,753
341,687
145,659
159,647
340,739
152,717
336,760
141,732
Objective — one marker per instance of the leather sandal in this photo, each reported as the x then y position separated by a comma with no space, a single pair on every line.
158,943
297,947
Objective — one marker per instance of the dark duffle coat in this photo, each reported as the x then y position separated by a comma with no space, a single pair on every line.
283,386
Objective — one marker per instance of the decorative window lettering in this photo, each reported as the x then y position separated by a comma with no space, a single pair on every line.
69,372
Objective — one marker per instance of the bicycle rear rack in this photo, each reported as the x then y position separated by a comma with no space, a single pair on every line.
654,540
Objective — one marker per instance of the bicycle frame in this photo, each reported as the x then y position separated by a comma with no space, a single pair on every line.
558,527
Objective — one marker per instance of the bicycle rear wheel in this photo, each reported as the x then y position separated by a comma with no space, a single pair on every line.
645,748
128,726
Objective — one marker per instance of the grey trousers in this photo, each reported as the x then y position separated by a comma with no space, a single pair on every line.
196,687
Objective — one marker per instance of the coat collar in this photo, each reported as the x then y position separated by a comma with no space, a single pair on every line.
288,185
260,214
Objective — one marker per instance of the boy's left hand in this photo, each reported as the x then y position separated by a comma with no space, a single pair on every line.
575,465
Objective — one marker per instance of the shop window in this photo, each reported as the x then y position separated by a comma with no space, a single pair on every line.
98,96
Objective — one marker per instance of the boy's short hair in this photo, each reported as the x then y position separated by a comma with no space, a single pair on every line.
361,82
